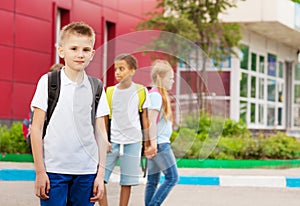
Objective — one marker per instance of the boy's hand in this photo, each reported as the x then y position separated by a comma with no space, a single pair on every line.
42,185
109,148
150,151
98,189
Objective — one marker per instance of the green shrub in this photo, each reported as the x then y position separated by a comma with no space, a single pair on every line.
280,146
183,143
236,141
12,139
234,128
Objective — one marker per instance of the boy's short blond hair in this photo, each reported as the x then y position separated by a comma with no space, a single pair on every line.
77,28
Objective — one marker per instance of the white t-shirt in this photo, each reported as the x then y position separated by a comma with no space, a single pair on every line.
125,123
69,144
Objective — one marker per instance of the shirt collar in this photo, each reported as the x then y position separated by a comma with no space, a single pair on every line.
66,81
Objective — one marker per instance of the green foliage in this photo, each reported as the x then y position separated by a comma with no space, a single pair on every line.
207,124
12,139
183,143
296,1
234,128
236,141
280,146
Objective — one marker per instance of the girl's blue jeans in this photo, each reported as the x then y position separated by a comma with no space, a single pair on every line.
164,162
65,190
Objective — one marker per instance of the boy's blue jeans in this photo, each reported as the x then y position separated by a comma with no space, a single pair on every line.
164,162
67,190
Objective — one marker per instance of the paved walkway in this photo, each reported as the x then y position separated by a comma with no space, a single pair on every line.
213,177
265,187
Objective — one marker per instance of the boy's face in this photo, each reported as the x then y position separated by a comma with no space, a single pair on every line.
122,71
77,51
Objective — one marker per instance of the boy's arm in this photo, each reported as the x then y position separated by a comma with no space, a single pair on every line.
42,185
145,122
102,142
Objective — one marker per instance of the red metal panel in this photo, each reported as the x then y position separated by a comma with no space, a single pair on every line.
98,2
148,6
110,3
7,5
5,103
87,12
30,65
36,8
32,33
130,7
6,27
126,23
215,78
64,4
21,98
110,15
6,54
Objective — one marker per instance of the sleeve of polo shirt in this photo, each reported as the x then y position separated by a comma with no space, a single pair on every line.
156,101
40,98
102,108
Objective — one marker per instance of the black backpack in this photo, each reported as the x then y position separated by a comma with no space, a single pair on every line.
54,83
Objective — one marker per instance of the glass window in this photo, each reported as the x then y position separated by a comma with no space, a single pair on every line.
261,114
243,111
280,70
252,117
253,86
297,72
297,116
271,116
261,64
271,65
271,90
279,116
280,92
261,88
253,61
297,94
244,56
244,85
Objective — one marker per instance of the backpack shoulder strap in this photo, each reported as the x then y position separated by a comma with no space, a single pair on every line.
109,93
53,95
155,89
142,96
97,87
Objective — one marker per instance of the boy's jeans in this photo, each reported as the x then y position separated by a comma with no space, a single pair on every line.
164,162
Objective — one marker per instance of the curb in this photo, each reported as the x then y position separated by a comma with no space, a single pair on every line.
226,180
192,163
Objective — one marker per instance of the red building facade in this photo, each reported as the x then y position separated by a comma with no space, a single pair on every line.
28,38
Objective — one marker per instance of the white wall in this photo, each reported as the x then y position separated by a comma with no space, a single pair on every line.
282,11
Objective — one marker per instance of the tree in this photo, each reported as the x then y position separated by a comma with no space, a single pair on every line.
296,1
198,21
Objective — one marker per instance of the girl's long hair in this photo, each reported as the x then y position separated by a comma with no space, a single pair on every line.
159,70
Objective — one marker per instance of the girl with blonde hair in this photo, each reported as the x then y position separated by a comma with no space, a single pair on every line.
159,153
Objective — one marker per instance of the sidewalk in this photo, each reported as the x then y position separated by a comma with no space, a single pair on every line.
191,176
214,187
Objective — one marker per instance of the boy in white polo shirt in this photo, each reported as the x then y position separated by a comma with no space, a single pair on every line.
70,159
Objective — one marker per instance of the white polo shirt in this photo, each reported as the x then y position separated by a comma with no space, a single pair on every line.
69,144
